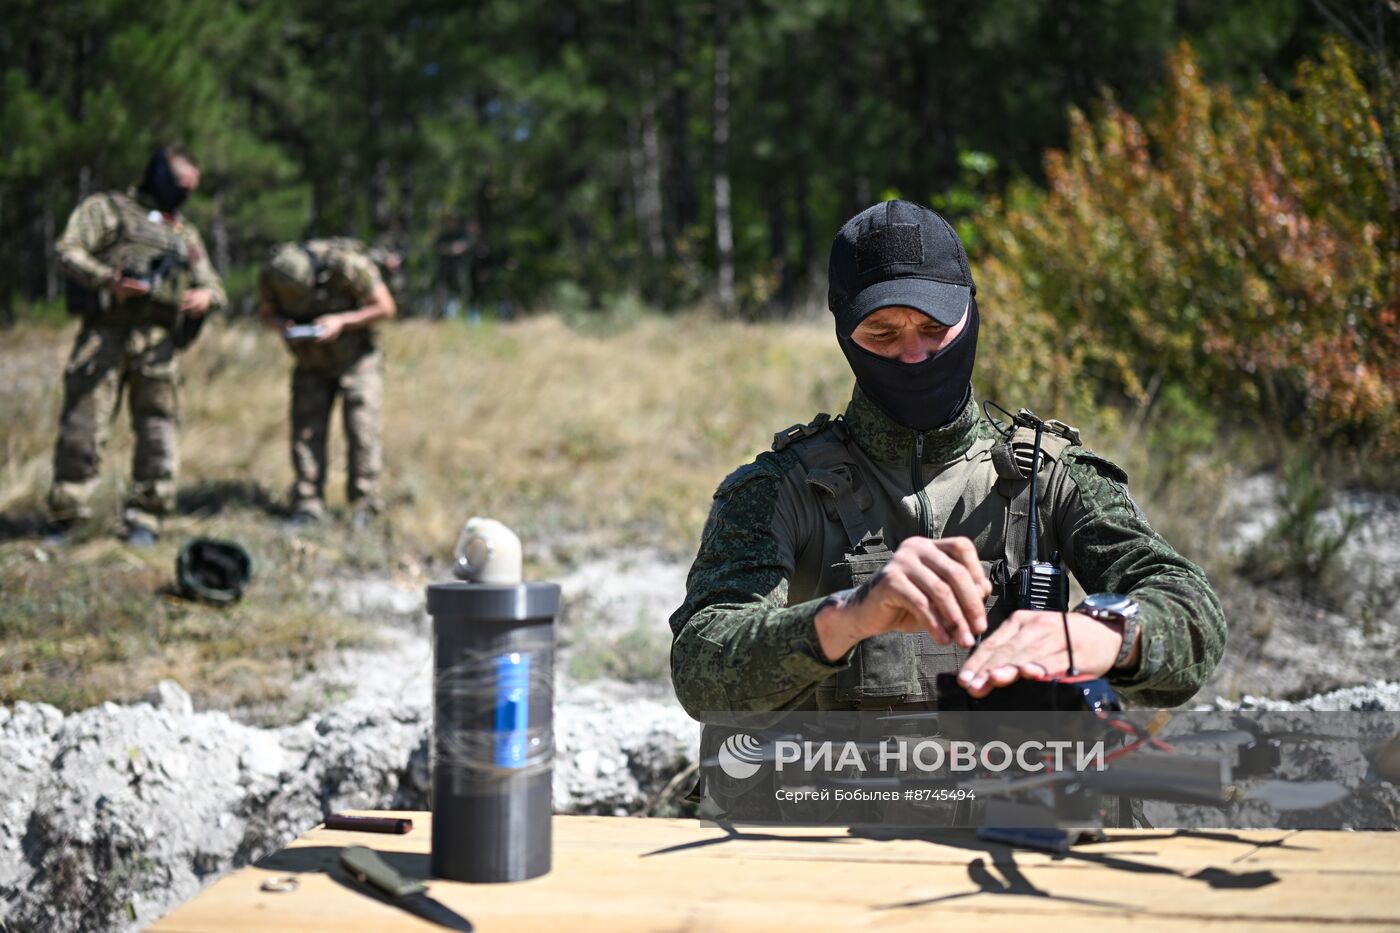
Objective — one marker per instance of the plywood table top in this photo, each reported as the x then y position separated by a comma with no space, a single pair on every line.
622,874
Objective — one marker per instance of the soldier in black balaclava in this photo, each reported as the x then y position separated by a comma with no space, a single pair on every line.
140,279
865,555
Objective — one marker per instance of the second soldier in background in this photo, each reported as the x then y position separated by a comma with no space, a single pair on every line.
325,297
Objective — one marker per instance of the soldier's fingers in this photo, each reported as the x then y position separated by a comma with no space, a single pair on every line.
1034,670
999,676
906,622
910,598
965,552
945,602
963,587
1008,644
1009,629
1032,645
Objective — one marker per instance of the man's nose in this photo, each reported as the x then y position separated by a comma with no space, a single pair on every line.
912,347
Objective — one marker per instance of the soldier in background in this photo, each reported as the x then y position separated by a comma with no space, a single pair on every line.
456,247
325,297
140,278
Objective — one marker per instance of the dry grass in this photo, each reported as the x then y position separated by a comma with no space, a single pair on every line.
578,440
582,438
618,437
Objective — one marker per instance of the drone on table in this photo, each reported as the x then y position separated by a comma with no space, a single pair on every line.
1054,810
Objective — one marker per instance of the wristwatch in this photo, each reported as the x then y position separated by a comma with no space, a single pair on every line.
1117,610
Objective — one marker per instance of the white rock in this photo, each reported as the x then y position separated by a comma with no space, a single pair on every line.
170,697
176,766
262,755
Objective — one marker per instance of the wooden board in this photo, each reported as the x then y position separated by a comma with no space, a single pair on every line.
621,874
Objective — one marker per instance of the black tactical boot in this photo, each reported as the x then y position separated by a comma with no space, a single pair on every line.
59,531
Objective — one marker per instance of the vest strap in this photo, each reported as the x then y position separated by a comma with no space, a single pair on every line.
1012,462
831,469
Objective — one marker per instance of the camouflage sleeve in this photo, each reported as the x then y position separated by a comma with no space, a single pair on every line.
202,274
91,228
354,274
736,644
1112,549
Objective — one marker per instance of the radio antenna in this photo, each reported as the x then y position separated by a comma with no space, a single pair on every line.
1032,526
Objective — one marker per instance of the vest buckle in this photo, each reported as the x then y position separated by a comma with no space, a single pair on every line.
783,439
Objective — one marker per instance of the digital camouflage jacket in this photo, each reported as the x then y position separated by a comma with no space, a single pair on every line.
776,544
124,232
346,277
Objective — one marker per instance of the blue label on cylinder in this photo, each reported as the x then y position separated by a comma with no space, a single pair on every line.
512,710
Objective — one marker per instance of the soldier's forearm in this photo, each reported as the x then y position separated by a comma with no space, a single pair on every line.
91,228
748,657
85,269
380,307
1183,637
218,299
206,278
361,318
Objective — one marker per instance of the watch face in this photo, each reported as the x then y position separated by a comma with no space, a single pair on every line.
1115,603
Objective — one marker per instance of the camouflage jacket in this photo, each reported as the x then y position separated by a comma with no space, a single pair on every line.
346,277
745,637
90,249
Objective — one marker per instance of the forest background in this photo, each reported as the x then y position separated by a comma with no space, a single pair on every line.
1183,217
1218,220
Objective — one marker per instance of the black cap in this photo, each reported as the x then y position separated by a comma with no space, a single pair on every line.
898,253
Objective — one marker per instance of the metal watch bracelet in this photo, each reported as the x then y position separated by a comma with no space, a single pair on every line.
1131,627
1110,608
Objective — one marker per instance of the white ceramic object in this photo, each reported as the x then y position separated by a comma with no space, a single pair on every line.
488,552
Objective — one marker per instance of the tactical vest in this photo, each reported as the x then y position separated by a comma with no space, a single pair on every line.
351,345
143,248
899,668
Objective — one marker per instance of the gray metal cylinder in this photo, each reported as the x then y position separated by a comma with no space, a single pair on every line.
493,729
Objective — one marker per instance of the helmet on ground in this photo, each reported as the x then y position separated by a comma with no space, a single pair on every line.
212,570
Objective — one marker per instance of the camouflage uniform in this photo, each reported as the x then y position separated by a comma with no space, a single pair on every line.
129,345
351,367
775,544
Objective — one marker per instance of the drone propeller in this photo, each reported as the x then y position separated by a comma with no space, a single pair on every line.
1247,736
1295,795
1211,737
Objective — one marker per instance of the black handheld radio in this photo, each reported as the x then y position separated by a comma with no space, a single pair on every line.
1040,584
1043,585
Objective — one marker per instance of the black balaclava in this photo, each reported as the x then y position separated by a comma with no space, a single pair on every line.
159,182
925,395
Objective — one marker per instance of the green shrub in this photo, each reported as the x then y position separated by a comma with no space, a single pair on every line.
1240,250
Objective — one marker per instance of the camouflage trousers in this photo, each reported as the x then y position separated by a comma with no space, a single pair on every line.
360,386
108,362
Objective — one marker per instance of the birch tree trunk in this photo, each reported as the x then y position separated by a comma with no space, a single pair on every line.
646,167
724,223
218,236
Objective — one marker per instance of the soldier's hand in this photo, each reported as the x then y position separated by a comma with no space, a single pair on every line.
126,287
331,326
934,585
195,301
1030,644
